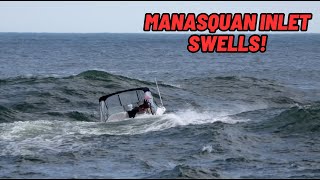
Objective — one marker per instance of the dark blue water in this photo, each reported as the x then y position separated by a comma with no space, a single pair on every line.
228,115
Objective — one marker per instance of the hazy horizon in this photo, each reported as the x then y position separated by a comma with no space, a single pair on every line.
128,17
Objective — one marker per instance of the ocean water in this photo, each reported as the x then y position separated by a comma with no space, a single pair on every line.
228,115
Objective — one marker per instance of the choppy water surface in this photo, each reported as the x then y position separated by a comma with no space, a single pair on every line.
229,115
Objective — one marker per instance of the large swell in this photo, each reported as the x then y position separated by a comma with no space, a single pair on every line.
228,115
47,121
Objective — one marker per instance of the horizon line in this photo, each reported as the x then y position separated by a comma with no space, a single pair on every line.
178,32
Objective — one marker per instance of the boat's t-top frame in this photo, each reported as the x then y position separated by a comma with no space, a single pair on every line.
129,102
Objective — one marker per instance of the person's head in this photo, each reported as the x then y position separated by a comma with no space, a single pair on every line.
147,95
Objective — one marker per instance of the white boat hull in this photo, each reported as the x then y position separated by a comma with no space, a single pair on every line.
160,110
124,115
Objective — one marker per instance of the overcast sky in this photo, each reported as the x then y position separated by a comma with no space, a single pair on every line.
126,17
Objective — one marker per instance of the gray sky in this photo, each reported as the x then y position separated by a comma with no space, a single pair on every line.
128,17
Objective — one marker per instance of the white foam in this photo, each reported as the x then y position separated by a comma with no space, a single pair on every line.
189,116
207,148
142,124
30,137
173,85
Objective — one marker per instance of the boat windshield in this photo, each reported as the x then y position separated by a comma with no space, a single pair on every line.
124,101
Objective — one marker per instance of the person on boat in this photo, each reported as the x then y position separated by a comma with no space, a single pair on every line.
149,99
144,107
148,106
